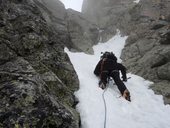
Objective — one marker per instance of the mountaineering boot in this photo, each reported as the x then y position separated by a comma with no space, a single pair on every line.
126,95
102,85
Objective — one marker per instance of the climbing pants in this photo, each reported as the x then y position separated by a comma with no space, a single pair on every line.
115,76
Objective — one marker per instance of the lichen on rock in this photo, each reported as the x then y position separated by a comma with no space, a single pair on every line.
37,79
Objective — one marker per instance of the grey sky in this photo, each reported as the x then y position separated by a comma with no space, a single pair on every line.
74,4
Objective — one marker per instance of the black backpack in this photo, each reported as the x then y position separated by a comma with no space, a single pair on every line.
108,55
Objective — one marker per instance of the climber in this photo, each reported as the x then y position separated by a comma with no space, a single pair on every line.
108,67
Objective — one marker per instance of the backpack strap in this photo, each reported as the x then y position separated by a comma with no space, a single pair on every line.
102,64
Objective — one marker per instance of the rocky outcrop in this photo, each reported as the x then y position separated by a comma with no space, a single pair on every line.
83,33
70,25
147,49
146,52
54,13
37,80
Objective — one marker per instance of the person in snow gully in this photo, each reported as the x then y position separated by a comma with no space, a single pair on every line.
108,67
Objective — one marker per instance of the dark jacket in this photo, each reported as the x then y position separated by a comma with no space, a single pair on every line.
109,65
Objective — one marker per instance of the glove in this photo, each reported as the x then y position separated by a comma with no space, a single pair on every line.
125,79
102,85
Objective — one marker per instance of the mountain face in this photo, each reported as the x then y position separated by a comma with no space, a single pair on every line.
82,33
147,24
37,79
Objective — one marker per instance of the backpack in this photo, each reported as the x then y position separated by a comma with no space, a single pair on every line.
108,55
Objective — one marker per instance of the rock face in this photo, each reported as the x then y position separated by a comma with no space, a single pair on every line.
148,26
83,33
37,80
70,25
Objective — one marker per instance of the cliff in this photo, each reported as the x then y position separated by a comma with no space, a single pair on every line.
37,79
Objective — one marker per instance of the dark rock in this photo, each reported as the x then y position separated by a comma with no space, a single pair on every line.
37,79
71,25
162,88
159,25
165,38
6,54
164,71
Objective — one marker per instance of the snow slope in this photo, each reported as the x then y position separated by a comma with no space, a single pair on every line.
146,109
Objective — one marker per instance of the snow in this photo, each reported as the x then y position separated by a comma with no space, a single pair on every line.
136,1
146,110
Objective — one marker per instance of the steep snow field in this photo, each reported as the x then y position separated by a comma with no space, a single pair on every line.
146,109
